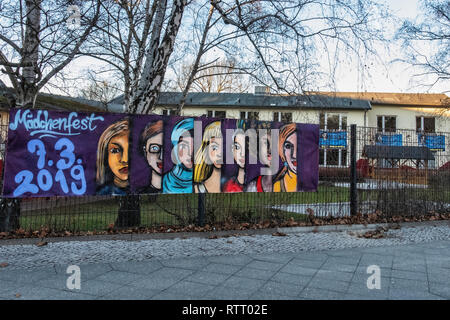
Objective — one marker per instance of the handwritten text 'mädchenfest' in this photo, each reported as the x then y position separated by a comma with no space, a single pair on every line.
40,123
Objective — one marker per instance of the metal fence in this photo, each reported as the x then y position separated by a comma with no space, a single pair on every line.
399,182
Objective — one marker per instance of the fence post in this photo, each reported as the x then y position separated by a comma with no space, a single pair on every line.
201,210
9,214
353,191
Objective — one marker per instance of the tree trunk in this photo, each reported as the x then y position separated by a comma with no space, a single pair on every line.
129,214
26,97
143,101
9,214
30,55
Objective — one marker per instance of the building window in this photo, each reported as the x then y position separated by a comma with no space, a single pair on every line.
386,123
285,117
166,112
426,124
216,114
333,121
249,115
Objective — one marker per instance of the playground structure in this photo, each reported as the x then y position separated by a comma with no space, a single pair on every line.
404,164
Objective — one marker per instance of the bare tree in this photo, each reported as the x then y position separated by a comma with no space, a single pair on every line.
100,90
278,43
121,37
37,41
204,72
427,41
283,39
136,38
218,77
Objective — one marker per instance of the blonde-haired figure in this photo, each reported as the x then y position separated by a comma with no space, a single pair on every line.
286,179
208,160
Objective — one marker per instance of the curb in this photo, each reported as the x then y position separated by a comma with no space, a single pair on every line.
225,233
361,227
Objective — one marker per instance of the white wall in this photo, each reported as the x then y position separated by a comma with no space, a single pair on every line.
406,116
299,115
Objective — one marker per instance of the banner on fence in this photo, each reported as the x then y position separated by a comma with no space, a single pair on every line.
333,139
53,153
389,139
434,143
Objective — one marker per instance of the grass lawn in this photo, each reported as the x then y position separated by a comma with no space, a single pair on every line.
182,209
174,209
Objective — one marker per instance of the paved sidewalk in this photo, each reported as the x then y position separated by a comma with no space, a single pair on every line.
408,271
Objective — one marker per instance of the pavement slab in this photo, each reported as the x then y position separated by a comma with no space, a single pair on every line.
287,268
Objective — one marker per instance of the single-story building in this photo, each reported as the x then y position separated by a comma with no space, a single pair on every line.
388,118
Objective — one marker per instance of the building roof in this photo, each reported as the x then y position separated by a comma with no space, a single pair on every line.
397,152
58,102
391,98
258,101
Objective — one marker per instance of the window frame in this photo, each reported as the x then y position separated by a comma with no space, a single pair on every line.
341,162
325,119
422,125
246,113
280,116
383,124
213,112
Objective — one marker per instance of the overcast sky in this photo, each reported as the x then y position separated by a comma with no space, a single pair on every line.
390,76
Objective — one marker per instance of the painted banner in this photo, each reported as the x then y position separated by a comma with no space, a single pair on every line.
434,143
333,139
52,153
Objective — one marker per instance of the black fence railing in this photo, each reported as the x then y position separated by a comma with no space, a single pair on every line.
398,173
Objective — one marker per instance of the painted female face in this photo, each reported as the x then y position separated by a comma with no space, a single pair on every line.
239,149
266,149
154,152
118,155
290,152
215,152
185,148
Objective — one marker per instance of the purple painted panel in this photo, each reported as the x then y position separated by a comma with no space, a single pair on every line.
52,153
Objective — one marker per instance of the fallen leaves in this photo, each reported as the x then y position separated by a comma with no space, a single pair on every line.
378,233
310,219
4,264
18,295
41,243
279,234
110,228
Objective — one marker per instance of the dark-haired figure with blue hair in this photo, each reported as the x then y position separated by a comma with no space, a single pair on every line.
179,179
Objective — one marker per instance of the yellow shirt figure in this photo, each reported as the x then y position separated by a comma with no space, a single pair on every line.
289,182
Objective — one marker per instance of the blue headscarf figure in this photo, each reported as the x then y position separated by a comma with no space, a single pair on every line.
179,179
